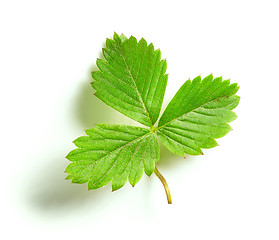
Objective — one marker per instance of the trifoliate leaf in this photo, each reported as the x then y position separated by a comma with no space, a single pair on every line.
198,114
113,153
132,78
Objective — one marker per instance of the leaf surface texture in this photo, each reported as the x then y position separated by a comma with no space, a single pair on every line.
132,78
199,113
113,153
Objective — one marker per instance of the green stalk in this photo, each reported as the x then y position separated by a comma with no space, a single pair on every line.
164,182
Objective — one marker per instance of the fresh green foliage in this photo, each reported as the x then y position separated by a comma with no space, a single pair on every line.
113,153
132,80
198,114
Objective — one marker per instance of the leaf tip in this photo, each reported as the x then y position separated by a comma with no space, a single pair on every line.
116,37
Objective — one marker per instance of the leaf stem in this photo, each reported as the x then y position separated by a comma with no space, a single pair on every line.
164,182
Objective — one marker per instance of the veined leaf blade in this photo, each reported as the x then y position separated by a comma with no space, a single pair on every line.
132,79
113,153
198,113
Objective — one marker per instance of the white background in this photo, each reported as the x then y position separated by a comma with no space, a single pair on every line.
47,52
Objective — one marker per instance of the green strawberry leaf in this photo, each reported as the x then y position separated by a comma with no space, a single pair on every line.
113,153
132,78
198,114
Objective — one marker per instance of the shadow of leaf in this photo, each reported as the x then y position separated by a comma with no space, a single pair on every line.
169,159
51,194
89,109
